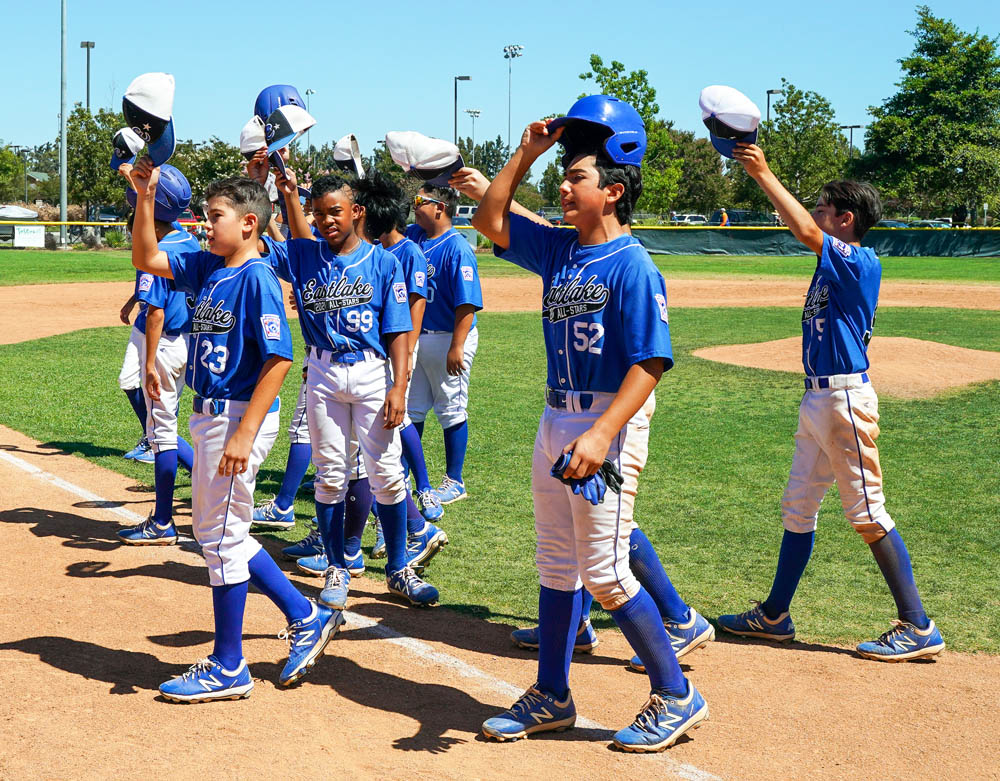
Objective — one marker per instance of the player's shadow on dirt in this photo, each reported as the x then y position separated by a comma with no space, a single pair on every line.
192,637
794,645
76,530
129,672
194,575
87,449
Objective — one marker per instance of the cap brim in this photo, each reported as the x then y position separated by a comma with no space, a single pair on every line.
118,161
281,142
162,148
439,177
276,161
726,146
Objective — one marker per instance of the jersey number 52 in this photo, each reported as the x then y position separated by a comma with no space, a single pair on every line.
586,336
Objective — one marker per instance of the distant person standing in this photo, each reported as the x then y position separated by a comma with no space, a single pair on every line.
724,219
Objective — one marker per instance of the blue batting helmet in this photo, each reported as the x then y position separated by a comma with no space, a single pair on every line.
173,194
274,96
603,122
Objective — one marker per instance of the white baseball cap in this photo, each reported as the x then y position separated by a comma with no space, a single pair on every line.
431,159
347,156
730,116
148,107
284,125
125,147
252,137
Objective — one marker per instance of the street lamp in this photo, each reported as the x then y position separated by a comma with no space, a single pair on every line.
771,92
309,93
852,128
88,45
510,53
474,113
458,79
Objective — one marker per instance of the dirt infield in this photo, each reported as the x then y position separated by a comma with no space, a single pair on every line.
89,629
56,309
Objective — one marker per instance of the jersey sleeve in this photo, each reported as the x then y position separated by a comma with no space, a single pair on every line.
532,244
464,272
189,269
269,324
395,298
415,269
839,262
153,291
278,255
643,308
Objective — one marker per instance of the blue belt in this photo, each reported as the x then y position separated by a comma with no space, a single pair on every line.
823,383
557,399
348,358
221,406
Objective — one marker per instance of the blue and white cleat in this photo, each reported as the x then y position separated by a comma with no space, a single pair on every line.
149,532
315,565
208,680
335,588
662,721
429,505
685,638
307,638
310,545
450,491
904,641
142,451
269,516
755,623
355,564
586,638
378,549
535,711
421,548
407,584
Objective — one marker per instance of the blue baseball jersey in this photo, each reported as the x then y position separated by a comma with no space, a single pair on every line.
346,302
238,323
604,306
152,290
414,264
839,313
452,277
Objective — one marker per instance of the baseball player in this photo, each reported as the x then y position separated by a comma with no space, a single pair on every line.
838,416
239,353
448,336
130,376
604,315
352,304
163,355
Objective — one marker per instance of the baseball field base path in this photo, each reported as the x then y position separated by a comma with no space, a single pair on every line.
88,629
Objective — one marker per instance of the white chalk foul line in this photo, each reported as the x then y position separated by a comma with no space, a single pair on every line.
416,647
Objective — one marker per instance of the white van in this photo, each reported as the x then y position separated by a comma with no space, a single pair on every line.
465,211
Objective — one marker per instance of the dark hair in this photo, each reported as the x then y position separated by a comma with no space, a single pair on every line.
859,198
246,196
610,172
384,202
329,183
166,227
445,194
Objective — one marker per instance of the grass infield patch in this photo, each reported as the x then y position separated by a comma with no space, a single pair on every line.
720,450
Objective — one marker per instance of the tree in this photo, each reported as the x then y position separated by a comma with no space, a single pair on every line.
549,183
204,163
633,87
528,196
490,156
661,169
702,187
89,178
11,175
936,143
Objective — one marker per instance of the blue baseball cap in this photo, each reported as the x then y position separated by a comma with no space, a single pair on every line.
730,116
602,122
125,148
173,195
275,96
148,108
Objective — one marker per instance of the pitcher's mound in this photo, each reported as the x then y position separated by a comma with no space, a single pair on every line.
901,367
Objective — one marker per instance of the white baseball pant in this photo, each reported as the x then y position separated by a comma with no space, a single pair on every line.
345,401
161,416
222,507
433,387
835,440
579,544
130,375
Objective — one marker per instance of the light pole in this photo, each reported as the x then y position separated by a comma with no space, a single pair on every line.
850,143
474,113
510,53
458,79
62,128
309,93
88,45
771,92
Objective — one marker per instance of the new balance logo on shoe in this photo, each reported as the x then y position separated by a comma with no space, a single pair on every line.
541,715
209,682
304,637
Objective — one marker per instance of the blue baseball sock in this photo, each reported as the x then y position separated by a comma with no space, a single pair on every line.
648,570
138,402
393,517
418,425
456,441
795,551
185,454
585,604
295,469
642,626
414,520
894,561
330,520
413,452
558,618
164,477
358,506
268,578
229,603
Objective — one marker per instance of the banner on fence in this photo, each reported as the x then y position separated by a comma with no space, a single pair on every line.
29,236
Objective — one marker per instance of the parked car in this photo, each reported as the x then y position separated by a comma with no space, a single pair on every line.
461,221
188,217
741,217
464,210
105,214
689,219
929,224
557,219
891,224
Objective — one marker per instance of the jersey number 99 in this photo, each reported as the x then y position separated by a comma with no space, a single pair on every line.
360,321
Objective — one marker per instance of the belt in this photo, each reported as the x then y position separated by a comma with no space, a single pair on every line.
348,358
222,406
560,399
836,381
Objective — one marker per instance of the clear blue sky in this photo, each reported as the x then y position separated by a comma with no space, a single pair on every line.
388,65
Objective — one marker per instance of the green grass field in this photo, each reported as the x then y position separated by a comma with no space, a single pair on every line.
720,450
